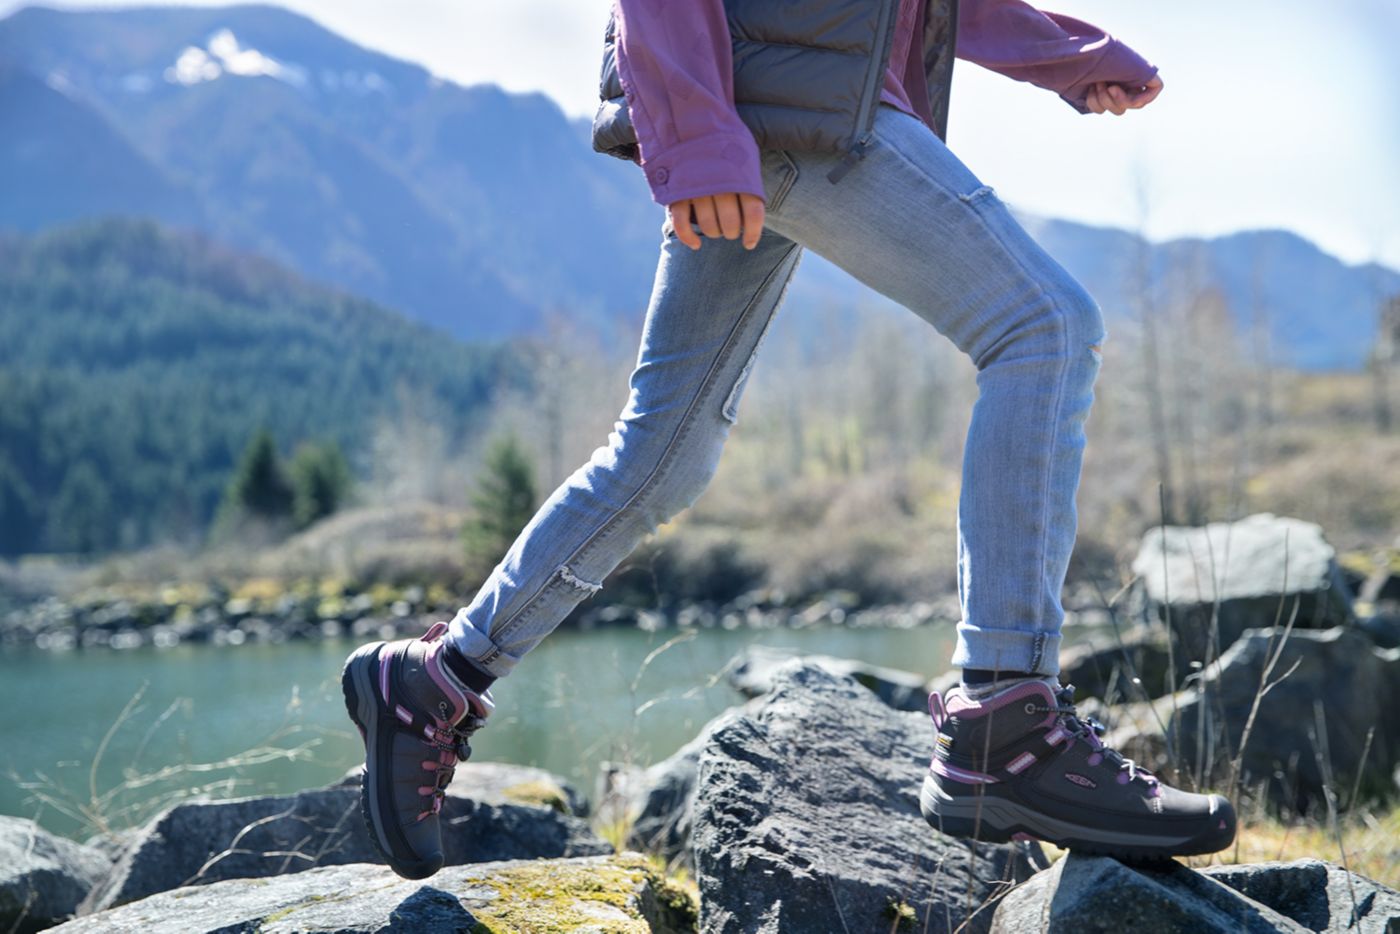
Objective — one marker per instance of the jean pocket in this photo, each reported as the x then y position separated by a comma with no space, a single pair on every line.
780,173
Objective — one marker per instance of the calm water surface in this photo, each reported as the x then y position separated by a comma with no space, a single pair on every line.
580,699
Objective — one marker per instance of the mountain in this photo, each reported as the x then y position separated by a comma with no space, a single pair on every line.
1320,312
63,161
471,209
136,363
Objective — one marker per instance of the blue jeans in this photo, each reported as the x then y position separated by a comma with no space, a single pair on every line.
912,222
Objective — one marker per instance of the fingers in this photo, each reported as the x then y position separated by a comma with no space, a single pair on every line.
1092,101
728,215
1115,99
680,220
754,212
705,216
1151,89
730,218
1108,97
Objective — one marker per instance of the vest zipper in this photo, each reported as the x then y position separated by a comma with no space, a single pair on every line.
865,115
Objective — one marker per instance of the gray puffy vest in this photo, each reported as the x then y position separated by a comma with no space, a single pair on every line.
820,100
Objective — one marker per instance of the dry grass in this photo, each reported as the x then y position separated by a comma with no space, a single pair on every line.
1372,843
108,807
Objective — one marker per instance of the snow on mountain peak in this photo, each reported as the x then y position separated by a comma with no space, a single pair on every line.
222,55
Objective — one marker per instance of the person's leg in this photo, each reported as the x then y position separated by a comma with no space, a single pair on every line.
913,222
416,701
709,311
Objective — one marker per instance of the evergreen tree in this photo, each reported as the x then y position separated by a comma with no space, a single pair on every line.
18,511
503,503
109,334
320,482
259,488
82,517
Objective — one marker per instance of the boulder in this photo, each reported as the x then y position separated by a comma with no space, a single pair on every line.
1340,675
507,783
1098,895
1384,629
1251,567
1134,667
504,783
43,878
807,819
1382,585
611,893
1317,895
202,842
661,799
752,673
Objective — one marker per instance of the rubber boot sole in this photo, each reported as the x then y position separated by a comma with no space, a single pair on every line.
991,819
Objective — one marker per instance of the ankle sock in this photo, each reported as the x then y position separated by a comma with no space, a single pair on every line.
979,683
466,672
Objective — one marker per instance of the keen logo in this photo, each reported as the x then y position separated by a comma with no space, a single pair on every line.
1080,780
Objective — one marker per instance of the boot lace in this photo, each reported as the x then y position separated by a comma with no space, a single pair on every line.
451,745
1089,730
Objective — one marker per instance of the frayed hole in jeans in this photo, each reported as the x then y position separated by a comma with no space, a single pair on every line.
983,193
578,583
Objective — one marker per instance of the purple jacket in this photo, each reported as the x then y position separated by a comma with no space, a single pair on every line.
675,60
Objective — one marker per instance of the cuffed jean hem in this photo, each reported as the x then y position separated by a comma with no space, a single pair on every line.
1007,650
478,649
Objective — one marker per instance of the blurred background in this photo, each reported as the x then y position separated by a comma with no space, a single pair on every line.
304,308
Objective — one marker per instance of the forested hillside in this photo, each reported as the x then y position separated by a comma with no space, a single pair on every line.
136,364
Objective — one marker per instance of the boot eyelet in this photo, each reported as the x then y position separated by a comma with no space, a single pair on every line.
1030,708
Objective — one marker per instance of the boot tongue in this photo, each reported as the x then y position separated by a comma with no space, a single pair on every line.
429,685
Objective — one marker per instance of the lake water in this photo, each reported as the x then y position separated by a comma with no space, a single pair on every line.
578,700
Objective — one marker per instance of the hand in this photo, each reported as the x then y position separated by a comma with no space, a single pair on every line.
1114,98
727,215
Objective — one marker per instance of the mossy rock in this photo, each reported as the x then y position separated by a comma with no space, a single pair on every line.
1364,563
619,895
542,794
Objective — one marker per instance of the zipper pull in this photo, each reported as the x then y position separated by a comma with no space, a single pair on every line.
849,160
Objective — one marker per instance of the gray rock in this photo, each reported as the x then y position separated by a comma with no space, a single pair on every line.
112,844
1339,671
753,672
43,878
1383,584
1320,896
1135,667
591,894
1098,895
1384,630
200,843
1251,567
507,783
807,819
661,802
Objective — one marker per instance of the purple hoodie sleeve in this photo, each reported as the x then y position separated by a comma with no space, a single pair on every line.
676,65
1050,50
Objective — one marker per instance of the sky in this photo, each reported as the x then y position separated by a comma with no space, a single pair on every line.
1275,113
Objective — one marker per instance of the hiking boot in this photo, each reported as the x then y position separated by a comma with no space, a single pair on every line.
415,717
1020,764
